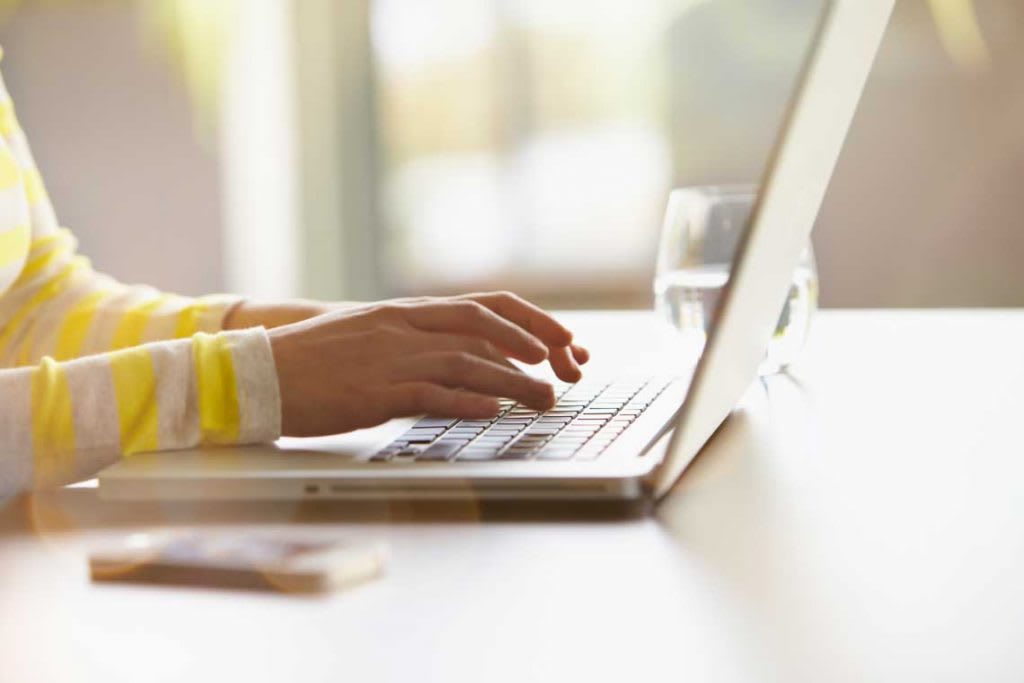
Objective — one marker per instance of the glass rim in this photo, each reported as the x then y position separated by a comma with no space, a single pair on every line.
725,190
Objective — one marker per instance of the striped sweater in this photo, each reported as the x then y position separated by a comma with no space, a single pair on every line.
92,370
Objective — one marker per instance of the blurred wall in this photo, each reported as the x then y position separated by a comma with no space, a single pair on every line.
924,209
113,134
926,205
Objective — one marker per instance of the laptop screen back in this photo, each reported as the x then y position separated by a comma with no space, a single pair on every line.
815,128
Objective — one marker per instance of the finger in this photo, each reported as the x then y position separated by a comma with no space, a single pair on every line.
564,365
580,353
526,315
436,341
418,398
471,372
471,318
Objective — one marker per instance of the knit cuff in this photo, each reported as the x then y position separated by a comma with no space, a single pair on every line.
238,395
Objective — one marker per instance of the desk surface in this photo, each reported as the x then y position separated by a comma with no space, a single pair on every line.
863,520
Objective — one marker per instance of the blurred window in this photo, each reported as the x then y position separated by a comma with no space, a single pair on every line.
532,144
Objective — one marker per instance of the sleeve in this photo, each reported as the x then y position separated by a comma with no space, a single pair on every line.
60,308
92,370
62,422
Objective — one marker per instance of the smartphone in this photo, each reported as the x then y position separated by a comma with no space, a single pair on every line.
240,562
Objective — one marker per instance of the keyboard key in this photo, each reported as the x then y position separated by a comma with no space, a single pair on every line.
534,439
439,451
465,433
496,440
543,431
478,454
443,422
574,442
421,438
556,454
513,454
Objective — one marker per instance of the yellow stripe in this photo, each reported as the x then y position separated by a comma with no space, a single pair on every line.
61,236
135,388
75,327
53,428
43,255
52,289
8,120
188,320
24,354
133,323
14,245
10,174
219,415
35,191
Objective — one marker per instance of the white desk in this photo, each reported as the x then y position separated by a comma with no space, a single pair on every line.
863,523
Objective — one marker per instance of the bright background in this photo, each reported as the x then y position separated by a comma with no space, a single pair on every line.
372,148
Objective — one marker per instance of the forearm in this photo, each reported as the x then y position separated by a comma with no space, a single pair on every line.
271,314
63,422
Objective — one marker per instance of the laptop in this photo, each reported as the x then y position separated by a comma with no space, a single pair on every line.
624,439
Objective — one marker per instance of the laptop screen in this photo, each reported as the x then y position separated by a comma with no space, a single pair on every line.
797,177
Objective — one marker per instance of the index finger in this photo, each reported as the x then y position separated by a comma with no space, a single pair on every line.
530,317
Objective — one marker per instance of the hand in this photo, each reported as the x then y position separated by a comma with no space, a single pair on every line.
565,358
361,366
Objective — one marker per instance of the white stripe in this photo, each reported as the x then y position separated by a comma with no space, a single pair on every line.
259,400
178,414
16,469
14,299
44,220
216,306
18,143
50,318
109,314
94,409
164,320
13,206
11,302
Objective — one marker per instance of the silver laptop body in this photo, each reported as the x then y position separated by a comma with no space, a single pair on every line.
662,423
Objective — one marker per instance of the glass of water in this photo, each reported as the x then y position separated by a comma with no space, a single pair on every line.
703,227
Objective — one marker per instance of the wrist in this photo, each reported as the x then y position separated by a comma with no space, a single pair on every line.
271,315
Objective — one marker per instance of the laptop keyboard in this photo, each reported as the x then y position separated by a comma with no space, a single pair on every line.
586,419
